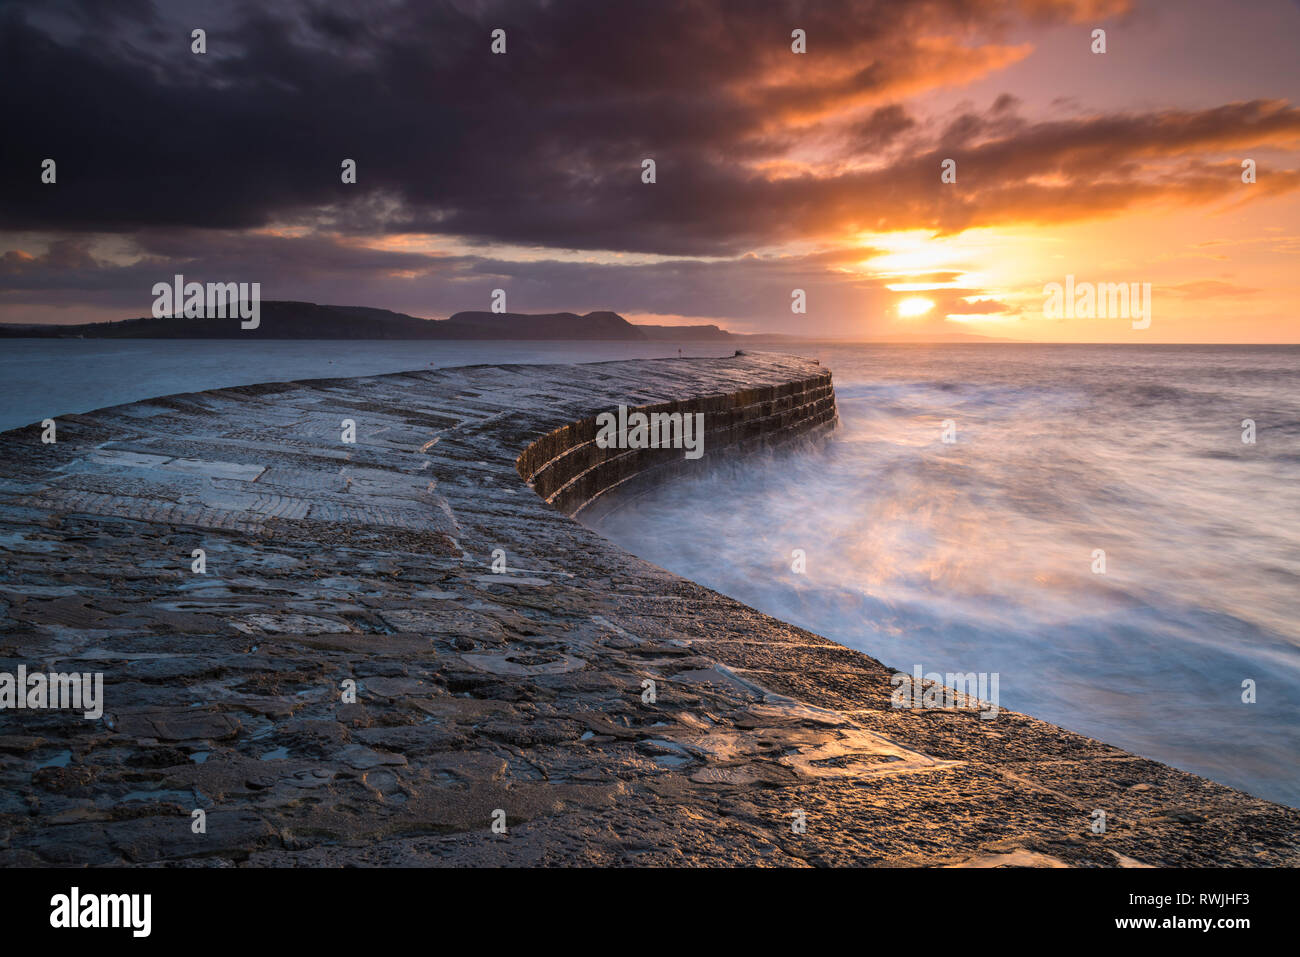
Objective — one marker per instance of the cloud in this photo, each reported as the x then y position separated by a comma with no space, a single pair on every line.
540,146
1208,289
748,292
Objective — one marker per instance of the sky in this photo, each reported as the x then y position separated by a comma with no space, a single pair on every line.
775,170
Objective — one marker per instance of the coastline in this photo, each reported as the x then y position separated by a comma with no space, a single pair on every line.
478,692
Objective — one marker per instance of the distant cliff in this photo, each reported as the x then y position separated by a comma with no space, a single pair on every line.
307,320
549,325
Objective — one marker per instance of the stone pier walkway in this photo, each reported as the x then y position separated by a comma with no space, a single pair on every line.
481,696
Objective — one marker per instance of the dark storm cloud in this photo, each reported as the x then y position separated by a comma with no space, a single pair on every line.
540,146
880,130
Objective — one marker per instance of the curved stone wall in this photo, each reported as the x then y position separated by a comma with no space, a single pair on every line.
570,471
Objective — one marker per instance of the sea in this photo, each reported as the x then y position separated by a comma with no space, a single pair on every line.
1111,530
1114,531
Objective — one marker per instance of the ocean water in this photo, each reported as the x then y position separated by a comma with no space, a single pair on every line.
979,555
46,378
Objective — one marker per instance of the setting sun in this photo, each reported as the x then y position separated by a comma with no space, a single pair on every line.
914,306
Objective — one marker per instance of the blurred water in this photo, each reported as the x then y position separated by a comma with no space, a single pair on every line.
978,556
46,378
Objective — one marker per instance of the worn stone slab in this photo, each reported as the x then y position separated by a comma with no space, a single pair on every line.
332,566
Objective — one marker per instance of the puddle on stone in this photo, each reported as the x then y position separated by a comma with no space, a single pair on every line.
671,760
521,664
182,797
59,760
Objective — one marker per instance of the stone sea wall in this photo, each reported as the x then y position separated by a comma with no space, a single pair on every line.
569,469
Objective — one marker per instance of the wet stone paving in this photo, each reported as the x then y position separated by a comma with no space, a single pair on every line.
349,681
